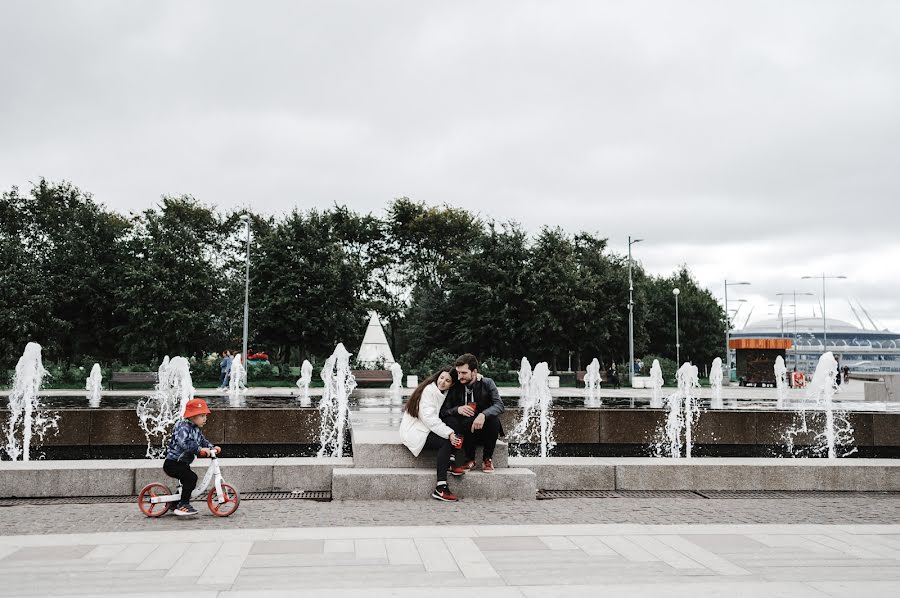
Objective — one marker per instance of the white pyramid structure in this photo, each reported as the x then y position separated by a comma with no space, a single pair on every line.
374,346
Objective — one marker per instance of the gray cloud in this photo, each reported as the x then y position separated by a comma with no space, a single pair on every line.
749,140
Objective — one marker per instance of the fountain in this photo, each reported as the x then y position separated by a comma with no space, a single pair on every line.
158,413
237,378
780,381
683,410
306,371
397,382
537,413
592,384
27,417
715,384
837,433
334,406
524,379
656,383
94,385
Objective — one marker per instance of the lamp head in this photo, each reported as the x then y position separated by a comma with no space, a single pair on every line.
675,291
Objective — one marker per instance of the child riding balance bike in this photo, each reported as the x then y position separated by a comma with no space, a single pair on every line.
188,441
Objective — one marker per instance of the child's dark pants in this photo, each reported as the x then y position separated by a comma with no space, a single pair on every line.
182,472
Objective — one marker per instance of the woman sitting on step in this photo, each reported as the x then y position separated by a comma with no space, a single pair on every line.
422,427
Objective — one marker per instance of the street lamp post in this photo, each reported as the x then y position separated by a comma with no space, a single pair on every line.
823,276
728,323
631,314
676,292
794,293
246,220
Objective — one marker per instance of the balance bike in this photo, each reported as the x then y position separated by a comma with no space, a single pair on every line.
223,499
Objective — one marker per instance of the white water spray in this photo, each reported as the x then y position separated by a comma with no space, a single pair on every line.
715,383
780,381
237,381
537,415
27,417
656,383
94,386
524,379
396,378
306,371
592,383
334,408
158,413
683,410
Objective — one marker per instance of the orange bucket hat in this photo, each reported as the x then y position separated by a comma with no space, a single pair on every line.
195,407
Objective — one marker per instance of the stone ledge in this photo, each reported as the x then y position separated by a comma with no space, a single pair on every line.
384,449
569,473
417,484
862,475
122,477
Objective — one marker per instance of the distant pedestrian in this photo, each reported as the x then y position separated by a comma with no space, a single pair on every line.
225,369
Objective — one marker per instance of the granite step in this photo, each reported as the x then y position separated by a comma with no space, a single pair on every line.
360,483
379,448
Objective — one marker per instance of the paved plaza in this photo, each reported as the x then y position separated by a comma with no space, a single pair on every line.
815,544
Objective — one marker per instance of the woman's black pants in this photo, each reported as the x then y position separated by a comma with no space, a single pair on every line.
444,450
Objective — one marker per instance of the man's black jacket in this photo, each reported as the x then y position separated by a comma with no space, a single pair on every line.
483,391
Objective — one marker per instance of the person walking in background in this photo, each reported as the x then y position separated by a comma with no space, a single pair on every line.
225,368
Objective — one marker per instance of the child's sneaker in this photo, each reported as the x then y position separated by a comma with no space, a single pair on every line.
443,493
487,466
185,511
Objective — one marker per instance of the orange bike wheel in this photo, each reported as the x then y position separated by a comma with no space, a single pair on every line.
153,509
224,509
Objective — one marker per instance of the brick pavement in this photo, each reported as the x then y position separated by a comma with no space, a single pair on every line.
267,514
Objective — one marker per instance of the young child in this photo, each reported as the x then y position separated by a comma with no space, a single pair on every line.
188,441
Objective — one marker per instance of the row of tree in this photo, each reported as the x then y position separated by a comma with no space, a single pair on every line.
91,284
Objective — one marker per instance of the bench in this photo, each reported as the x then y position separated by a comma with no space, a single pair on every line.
133,378
373,376
580,374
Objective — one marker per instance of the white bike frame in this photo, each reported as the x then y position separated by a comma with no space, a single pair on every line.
213,474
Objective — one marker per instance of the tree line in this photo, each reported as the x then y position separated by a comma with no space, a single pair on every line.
90,284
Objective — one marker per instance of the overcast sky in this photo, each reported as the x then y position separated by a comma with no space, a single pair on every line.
754,141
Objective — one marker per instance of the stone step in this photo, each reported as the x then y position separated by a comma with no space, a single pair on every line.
417,484
379,448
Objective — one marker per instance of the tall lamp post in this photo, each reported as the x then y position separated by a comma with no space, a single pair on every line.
794,294
246,220
676,292
631,314
728,323
823,276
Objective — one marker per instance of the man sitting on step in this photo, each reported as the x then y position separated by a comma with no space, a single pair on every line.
472,408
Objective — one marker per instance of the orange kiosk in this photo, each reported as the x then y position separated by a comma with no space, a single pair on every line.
755,359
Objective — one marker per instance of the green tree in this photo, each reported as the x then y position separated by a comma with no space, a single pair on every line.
173,288
311,283
59,254
700,317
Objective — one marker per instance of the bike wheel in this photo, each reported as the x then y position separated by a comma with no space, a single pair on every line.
153,509
226,508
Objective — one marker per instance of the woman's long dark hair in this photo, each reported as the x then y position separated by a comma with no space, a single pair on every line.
412,405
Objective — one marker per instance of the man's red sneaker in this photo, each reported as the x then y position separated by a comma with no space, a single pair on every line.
464,468
488,466
443,493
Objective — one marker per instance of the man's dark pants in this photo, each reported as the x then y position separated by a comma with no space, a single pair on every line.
486,436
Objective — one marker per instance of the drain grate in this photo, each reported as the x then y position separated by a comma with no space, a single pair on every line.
789,494
316,495
551,494
658,494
